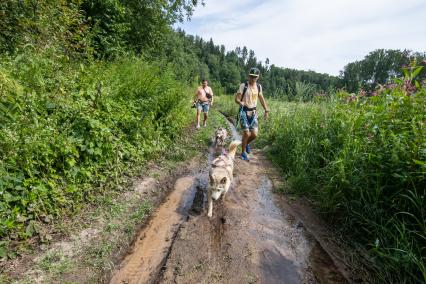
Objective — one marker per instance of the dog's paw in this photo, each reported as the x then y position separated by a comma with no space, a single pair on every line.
209,215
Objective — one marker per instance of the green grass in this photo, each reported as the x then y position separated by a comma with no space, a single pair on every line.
364,164
55,264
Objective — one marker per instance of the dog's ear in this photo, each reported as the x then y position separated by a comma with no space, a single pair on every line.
223,180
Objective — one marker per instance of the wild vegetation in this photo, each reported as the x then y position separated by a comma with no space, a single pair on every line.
64,138
362,160
78,108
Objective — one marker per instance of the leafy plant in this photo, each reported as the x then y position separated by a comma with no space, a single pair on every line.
69,132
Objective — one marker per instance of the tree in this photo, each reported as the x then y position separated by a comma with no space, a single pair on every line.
378,67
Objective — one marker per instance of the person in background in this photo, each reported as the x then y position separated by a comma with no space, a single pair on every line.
203,99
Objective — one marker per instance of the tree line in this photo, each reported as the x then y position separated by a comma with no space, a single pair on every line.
205,59
110,29
195,56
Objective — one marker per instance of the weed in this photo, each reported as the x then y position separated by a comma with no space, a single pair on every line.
54,264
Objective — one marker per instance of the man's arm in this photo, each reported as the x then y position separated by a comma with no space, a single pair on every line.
211,92
238,99
196,95
263,103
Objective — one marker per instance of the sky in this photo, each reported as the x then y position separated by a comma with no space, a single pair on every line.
321,35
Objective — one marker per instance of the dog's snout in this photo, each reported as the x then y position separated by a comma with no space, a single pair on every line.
216,194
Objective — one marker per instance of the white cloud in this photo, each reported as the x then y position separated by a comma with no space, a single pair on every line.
317,35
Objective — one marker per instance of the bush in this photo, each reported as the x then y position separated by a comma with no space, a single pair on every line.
68,130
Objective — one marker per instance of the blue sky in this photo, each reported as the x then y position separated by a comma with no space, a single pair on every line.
322,35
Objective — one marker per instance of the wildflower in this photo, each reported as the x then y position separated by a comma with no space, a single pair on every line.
390,86
409,87
350,98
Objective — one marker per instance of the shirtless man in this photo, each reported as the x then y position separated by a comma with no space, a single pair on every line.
203,99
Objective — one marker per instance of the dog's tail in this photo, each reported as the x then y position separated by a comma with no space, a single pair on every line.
233,148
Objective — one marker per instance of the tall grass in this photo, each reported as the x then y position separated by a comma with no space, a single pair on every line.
364,163
68,130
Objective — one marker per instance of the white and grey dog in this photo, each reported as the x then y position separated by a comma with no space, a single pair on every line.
220,137
221,175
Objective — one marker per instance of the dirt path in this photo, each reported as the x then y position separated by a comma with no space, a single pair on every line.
252,237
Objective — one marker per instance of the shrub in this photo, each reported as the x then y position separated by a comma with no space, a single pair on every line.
67,131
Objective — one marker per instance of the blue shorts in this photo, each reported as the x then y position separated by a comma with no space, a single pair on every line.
203,106
248,120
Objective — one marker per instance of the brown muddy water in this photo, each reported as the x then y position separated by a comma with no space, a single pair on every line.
251,237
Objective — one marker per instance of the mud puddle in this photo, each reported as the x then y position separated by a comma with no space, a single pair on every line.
249,239
144,262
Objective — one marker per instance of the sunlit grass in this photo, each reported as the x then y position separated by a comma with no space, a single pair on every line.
364,163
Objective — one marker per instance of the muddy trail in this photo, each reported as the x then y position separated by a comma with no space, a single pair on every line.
254,236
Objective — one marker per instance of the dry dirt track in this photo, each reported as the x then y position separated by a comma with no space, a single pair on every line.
250,239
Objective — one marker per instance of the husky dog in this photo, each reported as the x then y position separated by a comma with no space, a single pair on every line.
221,175
220,137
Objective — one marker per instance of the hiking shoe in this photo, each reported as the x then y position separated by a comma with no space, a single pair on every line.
248,149
244,156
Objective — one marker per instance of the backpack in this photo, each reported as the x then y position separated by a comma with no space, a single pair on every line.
259,88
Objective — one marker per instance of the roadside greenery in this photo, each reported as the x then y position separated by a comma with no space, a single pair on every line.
363,160
68,130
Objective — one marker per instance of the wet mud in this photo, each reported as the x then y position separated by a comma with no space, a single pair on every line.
154,242
251,237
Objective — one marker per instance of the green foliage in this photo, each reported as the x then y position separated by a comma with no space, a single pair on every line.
364,162
109,26
139,26
104,28
44,24
378,67
68,131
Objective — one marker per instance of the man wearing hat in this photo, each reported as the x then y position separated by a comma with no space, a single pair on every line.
246,97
